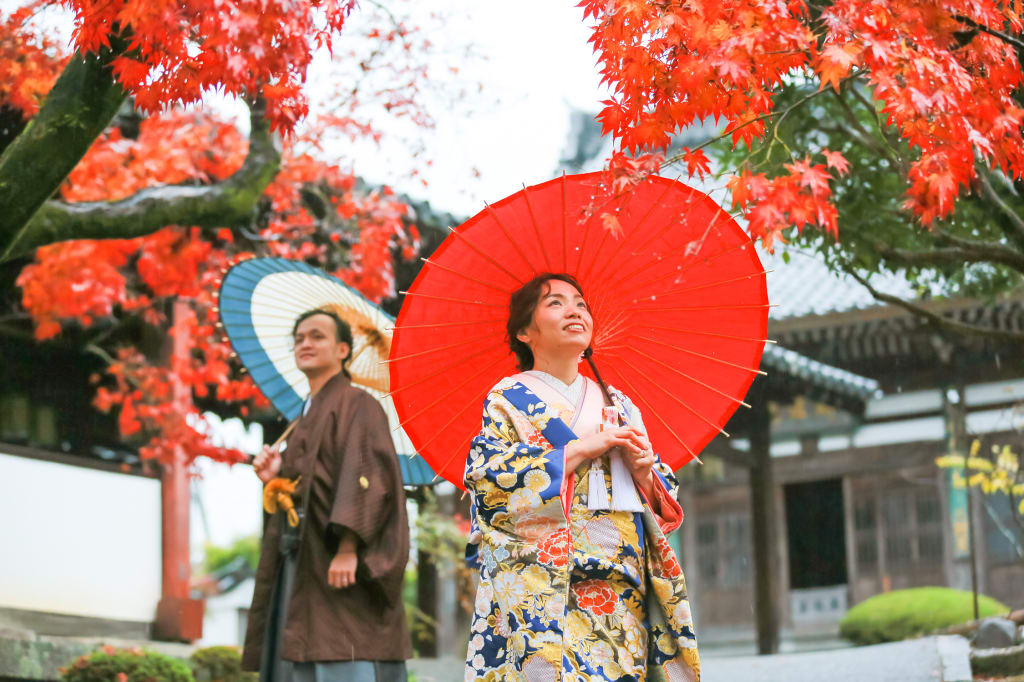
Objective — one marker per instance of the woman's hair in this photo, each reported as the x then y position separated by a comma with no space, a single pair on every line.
521,306
342,332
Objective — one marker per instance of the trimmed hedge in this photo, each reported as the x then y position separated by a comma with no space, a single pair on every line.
126,665
895,616
220,664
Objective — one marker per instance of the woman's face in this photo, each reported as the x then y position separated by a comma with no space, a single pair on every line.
561,323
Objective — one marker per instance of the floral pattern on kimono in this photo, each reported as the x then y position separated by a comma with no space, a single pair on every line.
566,593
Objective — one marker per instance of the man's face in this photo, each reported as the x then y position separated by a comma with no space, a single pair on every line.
317,349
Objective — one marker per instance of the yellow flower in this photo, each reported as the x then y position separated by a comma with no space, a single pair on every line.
523,500
950,462
537,480
506,479
577,626
979,464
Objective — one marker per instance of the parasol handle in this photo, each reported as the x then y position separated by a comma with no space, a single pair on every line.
280,439
588,355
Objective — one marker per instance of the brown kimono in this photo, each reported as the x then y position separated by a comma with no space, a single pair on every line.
351,479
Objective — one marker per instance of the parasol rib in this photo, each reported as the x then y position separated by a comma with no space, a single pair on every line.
462,358
458,414
702,355
685,267
444,396
647,406
646,267
669,224
457,344
290,318
565,226
685,375
706,333
508,236
483,255
639,224
672,395
536,228
673,292
451,300
583,244
726,306
462,275
444,324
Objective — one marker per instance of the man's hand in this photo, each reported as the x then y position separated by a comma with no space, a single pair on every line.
267,464
342,571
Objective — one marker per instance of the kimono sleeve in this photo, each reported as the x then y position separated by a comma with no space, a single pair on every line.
367,478
512,475
671,512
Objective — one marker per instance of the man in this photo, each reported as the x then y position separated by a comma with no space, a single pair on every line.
328,600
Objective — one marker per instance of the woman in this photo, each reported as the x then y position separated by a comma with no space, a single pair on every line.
577,579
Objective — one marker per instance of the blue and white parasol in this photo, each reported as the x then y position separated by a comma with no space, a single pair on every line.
259,301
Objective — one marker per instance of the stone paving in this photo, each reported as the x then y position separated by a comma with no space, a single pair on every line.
932,659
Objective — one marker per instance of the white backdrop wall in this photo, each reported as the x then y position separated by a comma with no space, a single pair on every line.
79,541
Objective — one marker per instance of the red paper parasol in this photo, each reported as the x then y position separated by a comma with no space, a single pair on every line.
678,296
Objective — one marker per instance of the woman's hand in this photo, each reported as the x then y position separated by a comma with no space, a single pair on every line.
267,464
631,440
641,467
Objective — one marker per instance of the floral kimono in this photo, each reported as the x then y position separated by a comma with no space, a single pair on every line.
570,590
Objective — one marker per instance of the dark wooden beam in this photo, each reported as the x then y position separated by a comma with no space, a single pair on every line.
763,523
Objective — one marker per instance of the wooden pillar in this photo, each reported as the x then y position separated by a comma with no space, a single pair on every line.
956,433
178,617
763,519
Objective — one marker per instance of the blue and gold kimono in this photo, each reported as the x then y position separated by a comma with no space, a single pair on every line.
567,592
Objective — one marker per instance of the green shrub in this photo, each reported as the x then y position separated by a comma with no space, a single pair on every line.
220,664
218,557
898,615
126,665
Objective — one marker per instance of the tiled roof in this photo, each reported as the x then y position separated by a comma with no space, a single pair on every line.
818,376
805,286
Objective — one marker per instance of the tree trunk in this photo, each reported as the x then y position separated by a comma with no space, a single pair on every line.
78,108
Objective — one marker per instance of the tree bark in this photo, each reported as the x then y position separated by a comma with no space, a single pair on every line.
935,319
78,108
218,205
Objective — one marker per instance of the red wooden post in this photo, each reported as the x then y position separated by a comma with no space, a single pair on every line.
178,617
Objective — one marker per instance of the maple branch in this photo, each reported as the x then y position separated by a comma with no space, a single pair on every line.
223,204
961,251
888,133
77,109
676,158
1016,223
1005,37
937,320
866,138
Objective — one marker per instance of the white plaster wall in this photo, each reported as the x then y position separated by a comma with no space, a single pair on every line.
78,541
222,622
